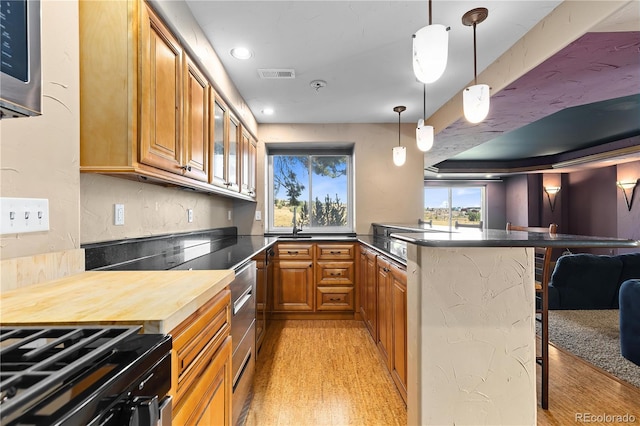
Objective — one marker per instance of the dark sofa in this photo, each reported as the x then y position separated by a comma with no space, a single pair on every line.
588,281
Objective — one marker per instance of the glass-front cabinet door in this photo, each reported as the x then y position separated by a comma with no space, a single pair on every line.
234,157
218,157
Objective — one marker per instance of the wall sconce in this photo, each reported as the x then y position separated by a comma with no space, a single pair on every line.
476,98
552,191
430,50
627,187
424,134
399,152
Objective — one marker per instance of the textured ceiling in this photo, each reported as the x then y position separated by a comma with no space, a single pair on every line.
362,49
587,94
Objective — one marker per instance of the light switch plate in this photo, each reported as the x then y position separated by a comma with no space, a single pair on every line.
21,215
258,215
189,215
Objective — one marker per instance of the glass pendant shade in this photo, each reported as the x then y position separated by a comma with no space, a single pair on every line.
476,102
399,155
424,136
430,50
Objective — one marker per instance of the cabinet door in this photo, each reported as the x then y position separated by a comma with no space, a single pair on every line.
196,123
160,95
219,139
244,167
253,166
399,329
384,309
233,157
368,291
209,402
293,288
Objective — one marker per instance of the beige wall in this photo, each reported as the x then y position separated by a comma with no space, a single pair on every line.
149,209
383,192
40,155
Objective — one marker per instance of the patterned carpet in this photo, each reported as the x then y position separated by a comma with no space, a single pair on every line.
594,336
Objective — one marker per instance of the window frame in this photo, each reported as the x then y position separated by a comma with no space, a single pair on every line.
311,152
450,186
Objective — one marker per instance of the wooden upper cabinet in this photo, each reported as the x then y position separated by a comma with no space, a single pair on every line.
160,95
196,122
147,110
219,141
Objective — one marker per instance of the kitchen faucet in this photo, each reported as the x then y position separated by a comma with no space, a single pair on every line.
295,228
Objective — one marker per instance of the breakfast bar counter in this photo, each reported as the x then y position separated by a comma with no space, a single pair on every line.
471,346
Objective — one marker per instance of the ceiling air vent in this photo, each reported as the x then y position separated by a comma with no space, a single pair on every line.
276,73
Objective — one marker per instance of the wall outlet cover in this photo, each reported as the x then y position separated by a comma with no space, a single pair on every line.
118,214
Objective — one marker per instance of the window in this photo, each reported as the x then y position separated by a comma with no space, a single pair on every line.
316,185
445,205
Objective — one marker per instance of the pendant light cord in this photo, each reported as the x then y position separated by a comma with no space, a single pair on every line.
475,62
424,101
429,12
399,112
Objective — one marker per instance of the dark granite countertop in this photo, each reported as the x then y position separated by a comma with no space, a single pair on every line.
208,250
503,238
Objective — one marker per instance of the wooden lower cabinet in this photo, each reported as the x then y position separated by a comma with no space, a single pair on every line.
368,290
201,382
384,310
210,403
398,282
314,280
293,288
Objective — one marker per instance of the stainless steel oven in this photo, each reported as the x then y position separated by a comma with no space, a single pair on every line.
97,375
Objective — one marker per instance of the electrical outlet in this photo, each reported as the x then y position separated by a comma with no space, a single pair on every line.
228,214
20,215
258,215
118,214
189,215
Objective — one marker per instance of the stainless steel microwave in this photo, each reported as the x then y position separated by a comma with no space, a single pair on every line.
20,72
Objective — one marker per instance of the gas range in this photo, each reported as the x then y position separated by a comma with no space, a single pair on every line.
94,375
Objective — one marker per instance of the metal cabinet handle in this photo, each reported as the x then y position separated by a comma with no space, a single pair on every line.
335,252
336,274
241,301
186,168
334,299
386,269
292,251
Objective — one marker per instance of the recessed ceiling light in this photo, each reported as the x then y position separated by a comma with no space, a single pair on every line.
241,53
438,176
267,111
489,176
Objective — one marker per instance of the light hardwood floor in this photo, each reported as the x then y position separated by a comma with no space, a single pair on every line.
330,373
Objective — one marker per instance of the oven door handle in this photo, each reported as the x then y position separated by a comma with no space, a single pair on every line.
238,304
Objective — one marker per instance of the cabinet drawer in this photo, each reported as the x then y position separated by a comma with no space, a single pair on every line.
203,331
294,251
337,251
335,299
335,273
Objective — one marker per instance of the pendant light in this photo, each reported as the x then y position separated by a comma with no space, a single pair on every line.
424,134
430,50
475,98
399,152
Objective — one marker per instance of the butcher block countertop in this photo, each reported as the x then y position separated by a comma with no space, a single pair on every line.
157,300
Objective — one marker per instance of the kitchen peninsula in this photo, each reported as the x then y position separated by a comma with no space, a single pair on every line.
470,321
